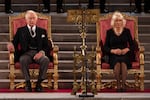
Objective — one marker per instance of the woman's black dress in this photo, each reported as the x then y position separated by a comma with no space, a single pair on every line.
122,41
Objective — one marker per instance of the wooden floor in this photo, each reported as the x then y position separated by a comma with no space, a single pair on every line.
67,96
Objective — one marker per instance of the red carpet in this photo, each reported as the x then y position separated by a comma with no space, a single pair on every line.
45,90
69,91
128,90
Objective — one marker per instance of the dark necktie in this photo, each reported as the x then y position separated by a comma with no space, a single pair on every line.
33,34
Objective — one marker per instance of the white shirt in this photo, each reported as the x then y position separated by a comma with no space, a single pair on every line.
33,29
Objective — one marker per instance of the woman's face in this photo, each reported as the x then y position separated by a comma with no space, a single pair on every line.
118,23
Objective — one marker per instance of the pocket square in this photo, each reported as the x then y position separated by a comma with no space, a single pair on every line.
43,36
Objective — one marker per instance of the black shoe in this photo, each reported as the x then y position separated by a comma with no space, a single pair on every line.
137,11
38,88
28,86
123,90
45,10
9,11
90,7
147,11
119,90
61,10
28,89
104,11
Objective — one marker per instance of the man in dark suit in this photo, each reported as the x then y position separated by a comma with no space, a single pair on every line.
47,6
8,6
101,5
139,6
34,48
60,6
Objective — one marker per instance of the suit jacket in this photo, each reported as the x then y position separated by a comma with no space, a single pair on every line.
101,4
21,41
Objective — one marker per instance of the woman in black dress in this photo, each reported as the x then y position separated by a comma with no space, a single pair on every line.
118,46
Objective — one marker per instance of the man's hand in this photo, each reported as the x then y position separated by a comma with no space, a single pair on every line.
10,47
38,56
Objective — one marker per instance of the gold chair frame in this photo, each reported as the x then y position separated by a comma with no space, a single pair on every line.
50,72
138,73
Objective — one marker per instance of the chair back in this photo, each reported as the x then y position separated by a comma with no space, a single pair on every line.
17,21
104,24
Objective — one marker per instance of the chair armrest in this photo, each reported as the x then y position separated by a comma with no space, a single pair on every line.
11,58
55,54
142,49
98,55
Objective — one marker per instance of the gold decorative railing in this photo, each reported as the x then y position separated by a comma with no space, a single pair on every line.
85,61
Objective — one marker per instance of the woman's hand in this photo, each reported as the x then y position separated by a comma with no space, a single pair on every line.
124,51
116,51
120,51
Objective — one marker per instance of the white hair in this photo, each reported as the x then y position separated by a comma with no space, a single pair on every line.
30,12
117,15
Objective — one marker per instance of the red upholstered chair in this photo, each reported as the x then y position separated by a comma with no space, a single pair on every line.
44,21
102,25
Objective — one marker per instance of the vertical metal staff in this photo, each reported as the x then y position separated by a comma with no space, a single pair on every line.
82,17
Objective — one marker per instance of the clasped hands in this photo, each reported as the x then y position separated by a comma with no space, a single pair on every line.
119,51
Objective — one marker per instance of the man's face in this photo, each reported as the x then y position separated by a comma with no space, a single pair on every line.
31,19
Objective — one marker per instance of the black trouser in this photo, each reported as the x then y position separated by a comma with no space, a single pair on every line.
59,4
46,4
146,5
7,5
139,6
27,58
91,4
101,4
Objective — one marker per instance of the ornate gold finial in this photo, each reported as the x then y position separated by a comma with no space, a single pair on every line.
75,16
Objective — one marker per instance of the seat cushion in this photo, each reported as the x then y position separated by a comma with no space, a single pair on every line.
135,65
33,65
